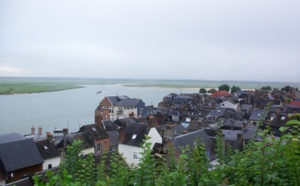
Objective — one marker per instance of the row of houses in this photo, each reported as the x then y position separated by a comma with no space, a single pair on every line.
121,123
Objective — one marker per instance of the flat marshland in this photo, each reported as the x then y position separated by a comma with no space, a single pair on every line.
13,85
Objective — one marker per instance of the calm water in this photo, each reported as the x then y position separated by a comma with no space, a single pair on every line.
68,109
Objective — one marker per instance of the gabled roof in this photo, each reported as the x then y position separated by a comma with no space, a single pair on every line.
109,125
246,107
10,137
113,138
47,149
220,93
256,115
125,121
221,112
191,138
115,99
236,125
87,141
95,131
129,102
19,154
135,134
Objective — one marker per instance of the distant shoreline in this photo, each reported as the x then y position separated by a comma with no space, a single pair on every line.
13,85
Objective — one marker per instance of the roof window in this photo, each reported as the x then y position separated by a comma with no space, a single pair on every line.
45,147
134,136
282,118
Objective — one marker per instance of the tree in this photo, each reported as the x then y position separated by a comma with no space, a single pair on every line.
266,88
202,90
224,87
211,90
234,89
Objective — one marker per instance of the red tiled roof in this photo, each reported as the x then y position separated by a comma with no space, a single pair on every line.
220,93
297,103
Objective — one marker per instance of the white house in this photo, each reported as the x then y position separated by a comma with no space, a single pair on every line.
231,104
117,107
134,138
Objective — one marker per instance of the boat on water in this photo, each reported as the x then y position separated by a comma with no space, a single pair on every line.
99,92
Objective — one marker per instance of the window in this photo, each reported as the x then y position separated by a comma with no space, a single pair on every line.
135,155
282,118
99,148
49,166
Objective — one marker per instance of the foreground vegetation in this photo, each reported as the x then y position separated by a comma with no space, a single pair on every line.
271,161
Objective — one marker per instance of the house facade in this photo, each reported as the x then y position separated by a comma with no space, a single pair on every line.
117,107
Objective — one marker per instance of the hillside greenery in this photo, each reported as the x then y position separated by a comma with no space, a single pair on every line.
271,161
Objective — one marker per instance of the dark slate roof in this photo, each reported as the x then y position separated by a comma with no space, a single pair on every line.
113,138
221,112
47,149
249,134
95,130
19,154
10,137
190,139
109,125
116,99
246,107
135,134
129,102
87,141
231,134
125,121
204,112
236,125
258,114
178,129
148,110
280,120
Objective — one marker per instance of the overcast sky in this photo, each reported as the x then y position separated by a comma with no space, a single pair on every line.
256,40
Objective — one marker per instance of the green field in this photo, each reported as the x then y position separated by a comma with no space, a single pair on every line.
33,88
32,85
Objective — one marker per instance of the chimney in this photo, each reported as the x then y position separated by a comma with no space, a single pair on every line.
40,132
49,136
32,130
244,126
66,131
240,138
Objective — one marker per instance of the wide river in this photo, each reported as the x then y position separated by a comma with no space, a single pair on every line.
70,108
